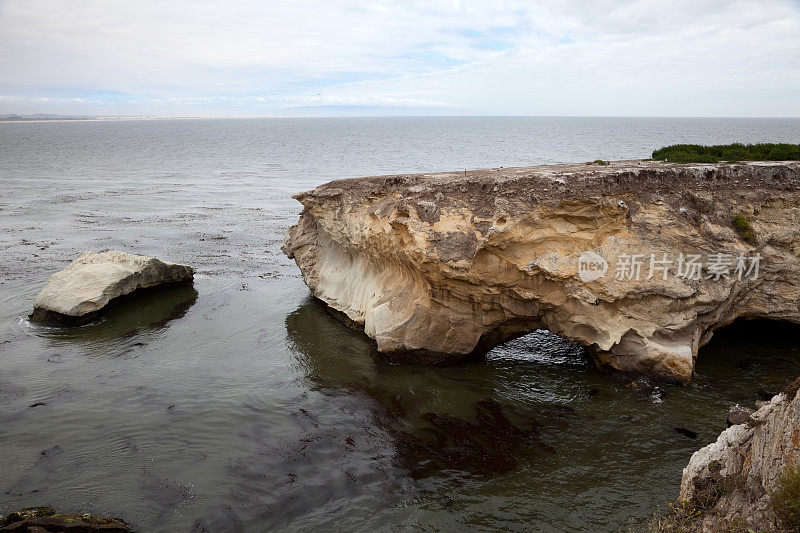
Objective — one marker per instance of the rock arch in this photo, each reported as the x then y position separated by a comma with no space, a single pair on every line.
436,267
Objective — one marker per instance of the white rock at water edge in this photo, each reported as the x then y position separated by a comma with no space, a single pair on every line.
80,291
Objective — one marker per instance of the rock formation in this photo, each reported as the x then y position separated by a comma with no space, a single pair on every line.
92,282
46,519
729,481
435,267
738,414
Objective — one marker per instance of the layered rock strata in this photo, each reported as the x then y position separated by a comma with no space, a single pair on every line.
639,261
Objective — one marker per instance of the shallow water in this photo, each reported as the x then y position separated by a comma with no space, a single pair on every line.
242,402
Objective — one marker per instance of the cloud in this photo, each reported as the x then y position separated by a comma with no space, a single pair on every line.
651,57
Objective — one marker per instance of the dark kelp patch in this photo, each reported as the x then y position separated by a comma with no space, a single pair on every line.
489,445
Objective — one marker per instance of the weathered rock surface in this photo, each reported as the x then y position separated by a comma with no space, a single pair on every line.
739,414
730,479
89,284
46,519
438,266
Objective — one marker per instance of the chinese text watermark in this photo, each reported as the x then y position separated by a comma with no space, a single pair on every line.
636,267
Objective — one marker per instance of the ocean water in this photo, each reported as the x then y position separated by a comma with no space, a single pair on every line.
241,404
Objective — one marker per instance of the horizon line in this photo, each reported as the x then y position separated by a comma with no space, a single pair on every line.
57,117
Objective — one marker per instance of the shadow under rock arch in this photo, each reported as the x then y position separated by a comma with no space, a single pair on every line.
759,354
484,438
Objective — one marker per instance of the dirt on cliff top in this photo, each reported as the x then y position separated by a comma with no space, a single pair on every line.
647,180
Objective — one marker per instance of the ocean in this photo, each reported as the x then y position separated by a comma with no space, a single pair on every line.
241,403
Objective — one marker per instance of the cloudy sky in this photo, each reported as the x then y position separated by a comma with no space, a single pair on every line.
456,57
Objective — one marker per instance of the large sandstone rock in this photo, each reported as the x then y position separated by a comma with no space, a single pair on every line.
438,266
89,284
731,478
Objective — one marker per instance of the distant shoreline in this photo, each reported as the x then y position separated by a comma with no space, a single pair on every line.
113,119
33,118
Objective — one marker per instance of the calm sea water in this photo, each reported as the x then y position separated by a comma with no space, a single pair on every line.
241,404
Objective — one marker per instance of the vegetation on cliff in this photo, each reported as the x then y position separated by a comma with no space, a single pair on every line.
696,153
785,498
744,227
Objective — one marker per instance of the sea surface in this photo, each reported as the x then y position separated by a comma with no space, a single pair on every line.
241,405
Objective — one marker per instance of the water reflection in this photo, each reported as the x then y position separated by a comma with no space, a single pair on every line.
471,432
146,313
330,353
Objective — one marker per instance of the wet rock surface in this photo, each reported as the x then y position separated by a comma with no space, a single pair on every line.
47,520
436,267
80,292
739,414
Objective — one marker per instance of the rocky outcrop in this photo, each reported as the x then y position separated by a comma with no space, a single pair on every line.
435,267
94,281
729,481
738,414
46,519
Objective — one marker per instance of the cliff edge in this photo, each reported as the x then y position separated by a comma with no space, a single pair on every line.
639,261
749,477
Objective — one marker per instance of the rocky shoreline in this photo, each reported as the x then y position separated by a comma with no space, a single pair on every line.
47,520
438,267
749,478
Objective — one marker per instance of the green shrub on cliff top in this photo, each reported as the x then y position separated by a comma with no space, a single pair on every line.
785,498
695,153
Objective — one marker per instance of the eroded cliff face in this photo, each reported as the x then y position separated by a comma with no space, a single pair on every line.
439,266
731,479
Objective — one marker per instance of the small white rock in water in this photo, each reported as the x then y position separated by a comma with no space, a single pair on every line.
81,291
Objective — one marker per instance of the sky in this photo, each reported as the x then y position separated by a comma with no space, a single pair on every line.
456,57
